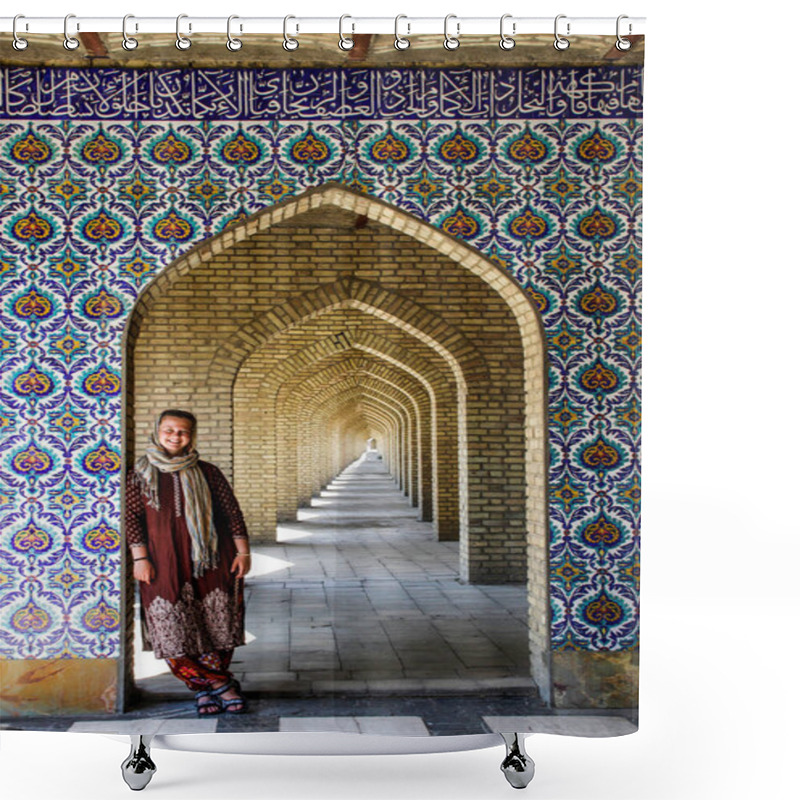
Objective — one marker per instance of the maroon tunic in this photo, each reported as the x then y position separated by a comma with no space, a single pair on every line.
184,615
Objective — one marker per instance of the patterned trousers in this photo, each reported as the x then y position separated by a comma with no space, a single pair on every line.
202,672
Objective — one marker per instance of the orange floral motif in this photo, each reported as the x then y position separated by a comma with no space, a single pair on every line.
102,227
601,532
599,302
461,225
171,149
389,148
138,267
69,345
173,227
33,382
31,538
101,150
628,264
597,226
32,227
275,189
596,147
33,304
32,461
67,189
528,148
102,616
528,225
603,611
31,149
103,304
458,148
601,455
68,267
102,538
31,618
67,579
599,378
102,460
68,423
102,382
565,416
562,265
241,149
310,150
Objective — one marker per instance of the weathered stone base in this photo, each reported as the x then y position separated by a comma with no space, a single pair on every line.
58,687
595,680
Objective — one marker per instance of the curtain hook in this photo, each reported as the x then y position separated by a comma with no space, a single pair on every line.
506,42
560,43
233,44
181,42
400,42
289,43
344,42
128,42
451,42
622,43
70,42
18,43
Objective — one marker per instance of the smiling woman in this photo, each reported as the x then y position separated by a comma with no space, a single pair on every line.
190,554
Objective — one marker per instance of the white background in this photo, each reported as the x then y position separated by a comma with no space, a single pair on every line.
720,605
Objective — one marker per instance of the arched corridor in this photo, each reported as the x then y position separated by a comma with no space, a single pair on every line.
332,319
358,597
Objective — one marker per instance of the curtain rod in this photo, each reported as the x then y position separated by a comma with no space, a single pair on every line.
187,24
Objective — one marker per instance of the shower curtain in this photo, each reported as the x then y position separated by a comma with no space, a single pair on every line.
400,290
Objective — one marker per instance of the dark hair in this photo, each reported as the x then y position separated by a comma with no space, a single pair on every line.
176,412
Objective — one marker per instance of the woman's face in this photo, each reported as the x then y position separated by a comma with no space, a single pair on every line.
174,435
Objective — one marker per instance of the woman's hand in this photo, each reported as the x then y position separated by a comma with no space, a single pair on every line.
144,571
241,565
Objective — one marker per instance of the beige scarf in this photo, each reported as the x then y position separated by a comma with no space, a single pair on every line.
196,495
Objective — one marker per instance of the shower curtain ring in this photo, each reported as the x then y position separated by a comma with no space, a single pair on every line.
18,43
70,42
344,42
506,42
451,42
560,43
622,43
233,44
289,44
128,42
181,42
400,42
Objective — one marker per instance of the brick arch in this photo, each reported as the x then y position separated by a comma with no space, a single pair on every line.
292,390
314,477
314,385
496,545
439,501
464,359
302,404
369,371
407,472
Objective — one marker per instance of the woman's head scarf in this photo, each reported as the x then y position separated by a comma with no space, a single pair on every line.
196,494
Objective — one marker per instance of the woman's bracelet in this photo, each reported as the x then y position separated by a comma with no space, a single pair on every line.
142,558
243,555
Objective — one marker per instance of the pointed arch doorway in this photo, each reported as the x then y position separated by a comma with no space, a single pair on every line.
334,318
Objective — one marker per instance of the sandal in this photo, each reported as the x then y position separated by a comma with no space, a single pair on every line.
207,704
236,705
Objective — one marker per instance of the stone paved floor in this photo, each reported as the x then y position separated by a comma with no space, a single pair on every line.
358,597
